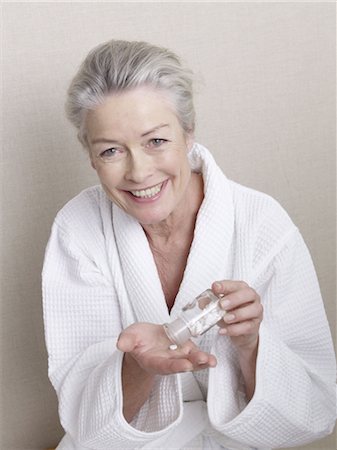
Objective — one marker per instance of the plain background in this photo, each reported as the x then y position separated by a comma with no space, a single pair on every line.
265,101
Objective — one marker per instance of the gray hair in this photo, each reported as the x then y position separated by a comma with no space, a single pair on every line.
116,66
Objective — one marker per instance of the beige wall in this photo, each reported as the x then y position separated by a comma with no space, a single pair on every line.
265,104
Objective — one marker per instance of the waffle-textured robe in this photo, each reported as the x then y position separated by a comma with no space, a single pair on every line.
99,277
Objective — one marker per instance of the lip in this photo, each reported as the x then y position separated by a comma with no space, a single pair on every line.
148,200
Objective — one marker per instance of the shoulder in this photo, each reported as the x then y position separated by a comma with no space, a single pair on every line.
261,224
80,236
258,209
82,229
251,207
84,209
256,214
85,220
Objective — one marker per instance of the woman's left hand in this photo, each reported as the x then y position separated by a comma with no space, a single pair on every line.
244,313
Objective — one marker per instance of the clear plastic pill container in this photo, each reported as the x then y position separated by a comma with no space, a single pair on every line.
195,318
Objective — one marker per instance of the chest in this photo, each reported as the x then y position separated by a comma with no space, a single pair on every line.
171,264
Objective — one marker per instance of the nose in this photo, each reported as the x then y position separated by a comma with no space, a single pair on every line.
139,167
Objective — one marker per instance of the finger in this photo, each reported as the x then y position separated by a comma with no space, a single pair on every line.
188,347
126,342
199,358
184,365
176,361
202,364
248,312
238,298
179,365
188,351
167,366
240,329
209,364
227,286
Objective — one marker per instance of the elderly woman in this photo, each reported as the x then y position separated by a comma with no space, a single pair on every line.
125,257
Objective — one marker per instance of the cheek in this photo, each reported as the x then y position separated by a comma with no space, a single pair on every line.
109,178
184,164
182,172
179,160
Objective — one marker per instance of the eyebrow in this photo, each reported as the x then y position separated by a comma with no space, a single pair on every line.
155,129
106,140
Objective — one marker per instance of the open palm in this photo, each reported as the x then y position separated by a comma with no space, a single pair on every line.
149,345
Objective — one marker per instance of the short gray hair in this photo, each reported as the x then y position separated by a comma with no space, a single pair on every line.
116,66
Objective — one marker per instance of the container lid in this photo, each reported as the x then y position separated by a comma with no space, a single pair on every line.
177,331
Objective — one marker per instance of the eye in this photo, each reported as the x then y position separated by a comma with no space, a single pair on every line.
157,142
108,154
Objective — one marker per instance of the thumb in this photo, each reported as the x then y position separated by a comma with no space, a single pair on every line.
126,342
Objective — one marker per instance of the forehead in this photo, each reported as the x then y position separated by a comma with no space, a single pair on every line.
131,112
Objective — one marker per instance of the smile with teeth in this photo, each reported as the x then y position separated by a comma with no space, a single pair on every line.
148,193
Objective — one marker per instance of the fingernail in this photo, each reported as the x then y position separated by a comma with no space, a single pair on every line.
202,362
225,304
228,317
217,285
223,331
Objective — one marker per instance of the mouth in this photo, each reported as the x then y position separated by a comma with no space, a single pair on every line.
148,193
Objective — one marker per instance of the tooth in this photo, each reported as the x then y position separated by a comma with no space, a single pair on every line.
147,193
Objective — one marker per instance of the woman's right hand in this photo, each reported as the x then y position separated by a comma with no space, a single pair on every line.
149,346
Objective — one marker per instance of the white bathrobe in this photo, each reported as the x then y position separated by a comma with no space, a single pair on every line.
99,277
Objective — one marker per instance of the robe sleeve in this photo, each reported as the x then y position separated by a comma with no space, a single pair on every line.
295,397
82,323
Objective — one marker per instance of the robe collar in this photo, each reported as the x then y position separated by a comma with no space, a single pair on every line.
209,253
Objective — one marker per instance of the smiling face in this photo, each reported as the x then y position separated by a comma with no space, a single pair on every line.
139,150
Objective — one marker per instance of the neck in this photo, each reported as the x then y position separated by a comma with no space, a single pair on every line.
180,222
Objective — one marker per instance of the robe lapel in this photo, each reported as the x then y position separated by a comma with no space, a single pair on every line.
209,254
139,269
208,258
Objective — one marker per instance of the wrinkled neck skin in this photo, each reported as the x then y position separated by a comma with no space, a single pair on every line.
181,222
